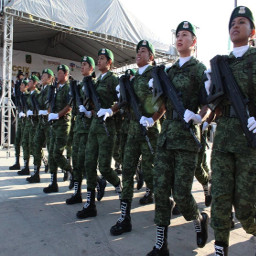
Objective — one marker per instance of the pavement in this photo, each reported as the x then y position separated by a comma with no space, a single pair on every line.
34,223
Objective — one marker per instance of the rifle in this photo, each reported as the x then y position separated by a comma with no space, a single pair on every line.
127,95
91,94
18,96
163,85
51,98
226,80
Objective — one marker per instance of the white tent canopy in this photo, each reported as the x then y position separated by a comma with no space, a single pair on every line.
70,29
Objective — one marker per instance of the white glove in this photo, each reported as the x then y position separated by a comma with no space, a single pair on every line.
190,115
147,121
43,112
87,113
207,83
106,112
29,113
150,83
53,116
205,126
21,114
252,124
118,91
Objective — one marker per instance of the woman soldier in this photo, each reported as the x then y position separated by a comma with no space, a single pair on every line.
100,142
136,144
176,155
233,163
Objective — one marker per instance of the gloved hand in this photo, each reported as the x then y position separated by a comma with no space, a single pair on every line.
190,115
207,83
29,113
150,83
43,112
21,114
53,116
252,124
118,91
205,126
106,112
147,121
87,113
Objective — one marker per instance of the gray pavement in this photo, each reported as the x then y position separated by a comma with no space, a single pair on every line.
34,223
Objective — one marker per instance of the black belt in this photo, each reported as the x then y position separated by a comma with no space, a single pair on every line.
228,111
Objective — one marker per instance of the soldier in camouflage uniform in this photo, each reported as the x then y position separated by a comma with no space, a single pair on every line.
136,144
18,133
42,134
31,124
60,117
176,154
233,163
99,147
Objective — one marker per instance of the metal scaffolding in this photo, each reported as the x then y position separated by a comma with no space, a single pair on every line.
6,103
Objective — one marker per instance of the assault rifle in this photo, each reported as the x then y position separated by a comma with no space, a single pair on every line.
91,94
163,86
127,95
18,96
51,97
223,77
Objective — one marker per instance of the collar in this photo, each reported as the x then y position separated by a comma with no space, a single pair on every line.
183,60
240,51
142,69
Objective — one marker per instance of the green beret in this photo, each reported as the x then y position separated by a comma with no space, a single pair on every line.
34,78
241,11
185,25
65,68
130,71
89,60
107,53
25,81
48,71
147,44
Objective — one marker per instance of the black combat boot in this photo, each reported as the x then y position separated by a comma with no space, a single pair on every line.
16,166
232,220
71,180
118,189
76,198
147,198
124,222
46,165
89,209
53,187
221,249
118,168
207,195
34,178
25,169
101,185
175,210
201,228
161,246
139,176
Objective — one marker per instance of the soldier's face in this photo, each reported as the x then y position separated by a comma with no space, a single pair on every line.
143,57
62,77
240,31
185,43
31,85
103,63
45,79
22,87
86,69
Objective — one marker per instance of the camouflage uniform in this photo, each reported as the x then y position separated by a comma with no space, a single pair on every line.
99,146
233,163
136,144
176,155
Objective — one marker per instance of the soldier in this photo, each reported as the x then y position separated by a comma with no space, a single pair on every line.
42,134
100,142
30,126
233,163
176,155
20,114
136,144
60,118
81,130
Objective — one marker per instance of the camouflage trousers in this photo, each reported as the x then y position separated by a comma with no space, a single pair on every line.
28,138
99,149
78,155
174,173
135,147
58,142
202,170
18,136
117,147
42,137
233,183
